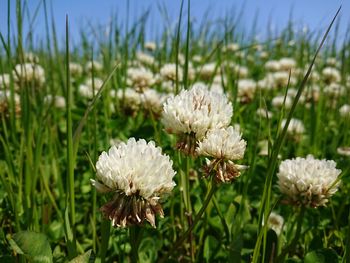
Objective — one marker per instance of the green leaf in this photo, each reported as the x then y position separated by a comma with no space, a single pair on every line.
230,216
84,258
34,246
324,255
148,250
69,235
209,244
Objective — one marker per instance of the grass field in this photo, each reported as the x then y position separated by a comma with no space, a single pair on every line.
230,115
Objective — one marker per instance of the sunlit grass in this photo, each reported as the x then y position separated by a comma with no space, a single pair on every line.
49,150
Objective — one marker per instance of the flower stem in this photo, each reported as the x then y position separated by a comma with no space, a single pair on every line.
347,245
291,247
135,239
188,232
105,233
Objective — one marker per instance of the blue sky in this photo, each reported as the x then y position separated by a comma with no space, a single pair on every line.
316,14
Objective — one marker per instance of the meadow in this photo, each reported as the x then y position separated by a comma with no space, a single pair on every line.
215,143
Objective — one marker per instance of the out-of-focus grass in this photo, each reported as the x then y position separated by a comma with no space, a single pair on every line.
48,153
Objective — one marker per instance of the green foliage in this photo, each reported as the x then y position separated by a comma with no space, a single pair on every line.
322,255
34,246
48,154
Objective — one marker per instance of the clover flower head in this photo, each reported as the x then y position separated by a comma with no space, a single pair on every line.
5,99
275,222
223,145
138,174
196,111
168,72
287,64
308,181
331,75
295,127
140,78
29,72
151,46
344,110
145,58
93,66
272,65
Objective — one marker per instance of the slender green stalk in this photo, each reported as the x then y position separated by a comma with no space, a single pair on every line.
187,48
177,48
105,233
179,242
135,233
290,248
94,145
70,153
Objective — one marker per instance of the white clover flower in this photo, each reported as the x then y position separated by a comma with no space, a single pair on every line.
267,83
191,72
264,54
5,81
145,58
138,174
345,110
225,143
153,100
168,72
264,113
207,71
130,100
29,72
90,88
295,127
197,58
151,46
75,69
312,93
240,71
232,47
332,62
345,151
272,66
140,78
275,222
31,57
279,102
5,98
314,76
331,75
93,65
246,89
334,90
287,64
220,80
291,43
85,91
58,101
196,111
181,58
224,146
218,88
281,79
264,147
94,83
168,86
308,181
